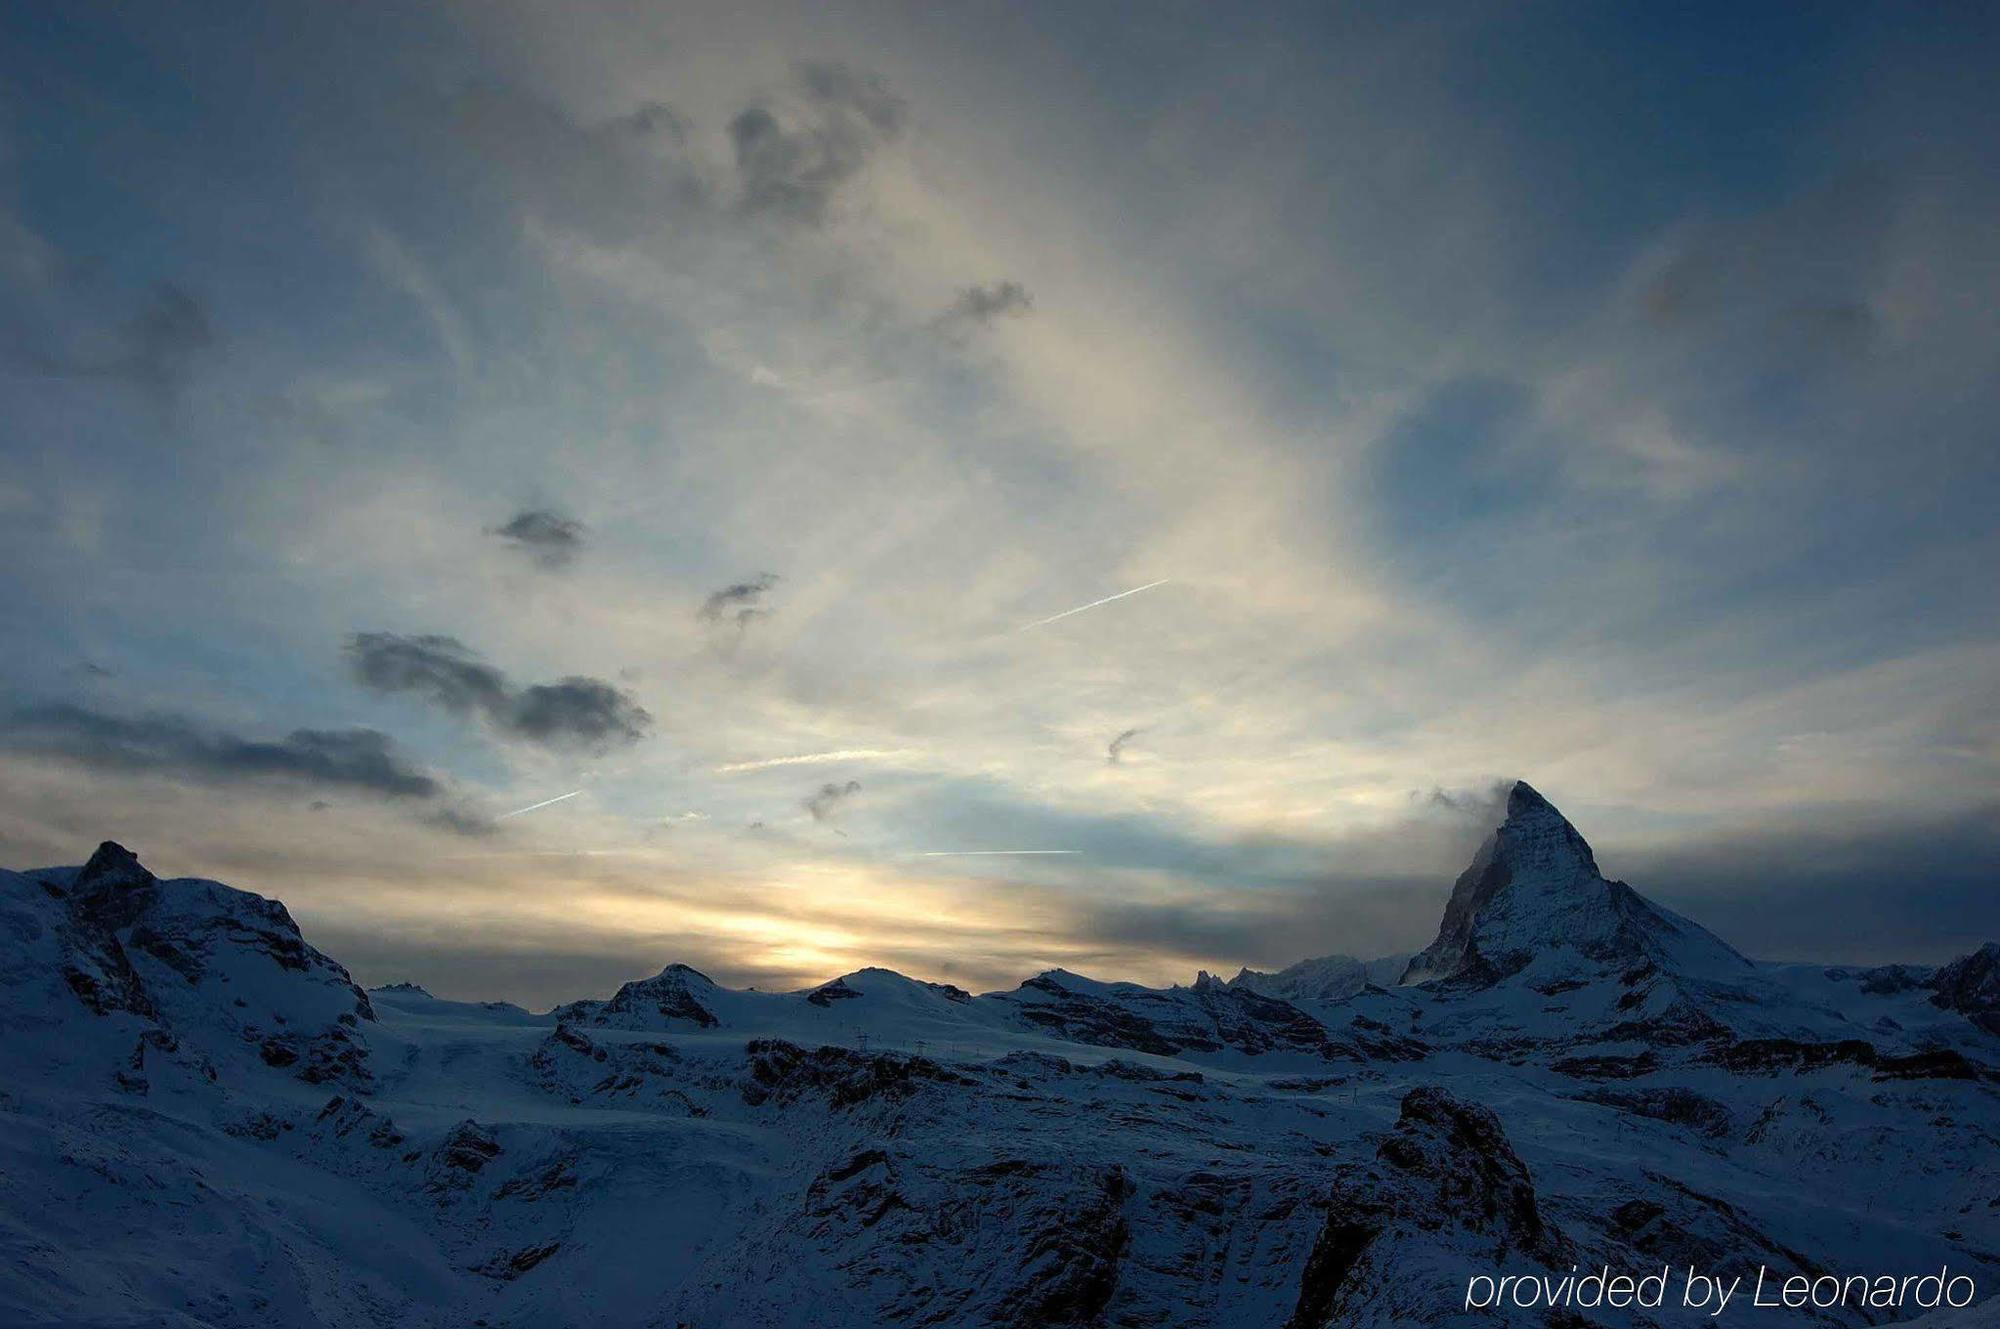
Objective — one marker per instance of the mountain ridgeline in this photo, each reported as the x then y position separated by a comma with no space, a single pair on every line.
205,1121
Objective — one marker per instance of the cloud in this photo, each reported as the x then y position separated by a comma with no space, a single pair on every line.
829,799
983,304
741,603
1848,885
790,167
175,745
1114,751
164,337
551,538
1486,804
463,821
588,711
578,712
154,349
440,669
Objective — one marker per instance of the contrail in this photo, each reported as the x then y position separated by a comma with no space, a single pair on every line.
980,853
532,806
1093,604
815,758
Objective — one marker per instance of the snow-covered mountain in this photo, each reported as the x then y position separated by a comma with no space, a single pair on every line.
1533,901
1325,978
204,1122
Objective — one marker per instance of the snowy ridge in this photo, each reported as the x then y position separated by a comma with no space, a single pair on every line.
203,1122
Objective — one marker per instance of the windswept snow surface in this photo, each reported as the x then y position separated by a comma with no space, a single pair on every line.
204,1122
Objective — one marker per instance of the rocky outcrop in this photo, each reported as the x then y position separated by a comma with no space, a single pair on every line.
1970,985
581,1069
1209,1017
783,1073
1777,1056
828,993
1682,1107
1445,1178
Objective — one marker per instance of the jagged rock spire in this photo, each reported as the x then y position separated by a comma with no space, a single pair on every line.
113,865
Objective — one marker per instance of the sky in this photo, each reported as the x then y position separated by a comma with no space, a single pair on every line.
705,416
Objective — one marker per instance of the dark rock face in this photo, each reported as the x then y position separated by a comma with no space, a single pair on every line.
1446,1174
1072,1267
829,993
1335,1252
345,1117
468,1148
1456,1155
1672,1223
1971,986
1683,1107
1774,1056
571,1064
1608,1066
781,1072
512,1265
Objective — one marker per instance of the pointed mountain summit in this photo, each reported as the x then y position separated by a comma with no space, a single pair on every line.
1534,899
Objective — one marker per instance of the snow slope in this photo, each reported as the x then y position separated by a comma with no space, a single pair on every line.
203,1122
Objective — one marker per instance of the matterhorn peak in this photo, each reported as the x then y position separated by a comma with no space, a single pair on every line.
1533,893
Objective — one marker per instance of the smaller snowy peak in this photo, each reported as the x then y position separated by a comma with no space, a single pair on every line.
1326,978
885,987
1533,896
677,997
404,989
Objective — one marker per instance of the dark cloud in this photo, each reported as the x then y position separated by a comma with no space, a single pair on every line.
571,712
175,745
790,167
828,800
586,711
551,538
1114,751
983,304
440,669
741,603
154,349
1850,886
